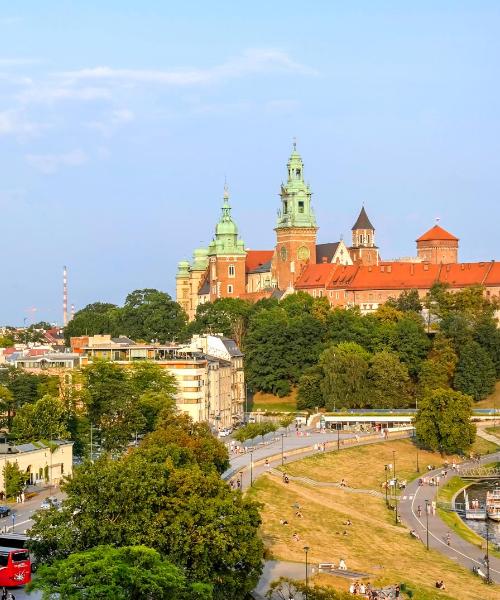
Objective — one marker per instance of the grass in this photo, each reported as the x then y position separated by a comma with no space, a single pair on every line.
493,431
269,402
373,544
482,446
454,522
491,401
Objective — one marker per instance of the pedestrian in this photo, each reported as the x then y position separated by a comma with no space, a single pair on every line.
23,497
342,565
433,508
4,594
238,484
397,591
448,539
268,466
419,510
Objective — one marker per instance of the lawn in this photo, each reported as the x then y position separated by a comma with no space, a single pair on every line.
491,401
271,403
373,544
493,431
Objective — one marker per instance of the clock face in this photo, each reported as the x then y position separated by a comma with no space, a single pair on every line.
303,253
283,253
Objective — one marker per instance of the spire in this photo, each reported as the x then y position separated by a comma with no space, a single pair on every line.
226,231
363,222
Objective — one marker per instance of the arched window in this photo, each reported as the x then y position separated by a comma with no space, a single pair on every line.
231,270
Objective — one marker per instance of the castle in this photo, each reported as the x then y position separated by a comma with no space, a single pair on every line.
347,276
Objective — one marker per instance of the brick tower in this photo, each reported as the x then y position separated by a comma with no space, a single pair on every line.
363,250
296,226
226,257
438,246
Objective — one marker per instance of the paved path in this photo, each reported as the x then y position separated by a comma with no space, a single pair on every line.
464,553
480,429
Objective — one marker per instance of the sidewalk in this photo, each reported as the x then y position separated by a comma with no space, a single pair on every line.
464,553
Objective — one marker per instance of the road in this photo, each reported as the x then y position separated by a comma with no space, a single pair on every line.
459,550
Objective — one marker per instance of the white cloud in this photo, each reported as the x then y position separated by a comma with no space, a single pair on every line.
50,163
115,119
251,61
13,122
48,94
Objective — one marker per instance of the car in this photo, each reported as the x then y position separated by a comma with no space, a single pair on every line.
225,432
4,511
50,502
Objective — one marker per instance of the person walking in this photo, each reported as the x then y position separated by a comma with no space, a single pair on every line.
4,594
419,510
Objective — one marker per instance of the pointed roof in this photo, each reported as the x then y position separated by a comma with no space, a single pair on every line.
437,233
363,222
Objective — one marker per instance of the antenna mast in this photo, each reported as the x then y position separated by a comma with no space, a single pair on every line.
65,296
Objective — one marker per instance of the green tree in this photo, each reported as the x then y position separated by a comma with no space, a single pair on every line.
487,335
411,342
253,430
475,374
438,370
23,386
128,573
345,368
407,301
228,316
310,394
6,406
443,422
96,318
6,341
111,402
14,479
388,381
45,419
152,315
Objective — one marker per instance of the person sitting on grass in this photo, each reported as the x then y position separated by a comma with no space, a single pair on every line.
342,565
296,537
440,585
348,522
414,534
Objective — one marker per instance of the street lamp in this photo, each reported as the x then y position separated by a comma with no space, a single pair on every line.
386,469
427,523
251,467
306,550
338,437
282,455
395,486
488,578
241,479
418,466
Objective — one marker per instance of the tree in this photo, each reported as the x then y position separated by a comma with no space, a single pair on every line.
438,370
388,381
6,405
475,374
487,335
128,573
45,419
345,367
443,424
287,589
407,301
6,341
228,316
411,342
96,318
309,394
14,479
153,495
253,430
149,314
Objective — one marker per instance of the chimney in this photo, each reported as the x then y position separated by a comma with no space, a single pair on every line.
412,268
324,259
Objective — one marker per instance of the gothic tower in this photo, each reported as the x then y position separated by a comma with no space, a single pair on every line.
226,257
363,249
295,228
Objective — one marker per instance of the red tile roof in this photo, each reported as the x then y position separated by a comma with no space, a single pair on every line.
436,233
398,276
256,258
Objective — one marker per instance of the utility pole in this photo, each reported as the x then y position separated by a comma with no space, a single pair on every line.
306,550
488,578
251,467
427,522
282,455
395,487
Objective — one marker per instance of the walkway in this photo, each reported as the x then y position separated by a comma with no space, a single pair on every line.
464,553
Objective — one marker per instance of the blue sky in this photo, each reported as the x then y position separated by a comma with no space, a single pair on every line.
120,120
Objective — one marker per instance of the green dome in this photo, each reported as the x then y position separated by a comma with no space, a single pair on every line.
226,227
200,259
183,268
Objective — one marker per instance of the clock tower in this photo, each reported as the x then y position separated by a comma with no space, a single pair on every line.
295,228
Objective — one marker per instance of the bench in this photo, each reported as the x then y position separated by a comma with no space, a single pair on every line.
322,567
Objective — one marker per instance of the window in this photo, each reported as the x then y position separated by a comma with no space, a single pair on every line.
230,289
285,207
336,295
368,239
231,270
297,172
301,206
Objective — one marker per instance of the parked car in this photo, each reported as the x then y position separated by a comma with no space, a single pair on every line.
4,511
50,502
225,432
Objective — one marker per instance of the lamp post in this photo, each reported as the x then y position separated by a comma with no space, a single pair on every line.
251,467
306,550
395,487
282,455
488,578
241,479
338,437
386,468
427,523
418,466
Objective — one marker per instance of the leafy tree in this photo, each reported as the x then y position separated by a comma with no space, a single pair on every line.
45,419
146,376
228,316
152,315
6,405
14,479
22,385
6,341
287,589
443,422
411,342
111,403
96,318
152,495
407,301
387,313
310,394
127,573
487,335
295,305
388,381
475,374
345,368
253,430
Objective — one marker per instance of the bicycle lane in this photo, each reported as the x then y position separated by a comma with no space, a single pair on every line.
459,550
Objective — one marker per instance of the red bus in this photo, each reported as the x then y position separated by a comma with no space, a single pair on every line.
15,563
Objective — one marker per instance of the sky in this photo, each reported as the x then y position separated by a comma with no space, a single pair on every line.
120,122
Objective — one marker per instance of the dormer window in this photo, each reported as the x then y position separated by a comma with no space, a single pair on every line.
297,172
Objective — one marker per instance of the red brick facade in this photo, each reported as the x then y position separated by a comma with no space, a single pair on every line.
295,248
227,276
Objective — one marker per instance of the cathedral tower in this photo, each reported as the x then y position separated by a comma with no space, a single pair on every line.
296,226
363,249
226,257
